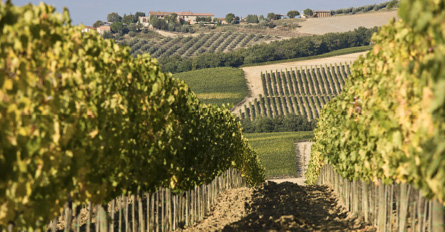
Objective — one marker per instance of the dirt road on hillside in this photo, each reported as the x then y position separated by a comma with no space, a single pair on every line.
280,207
253,73
320,26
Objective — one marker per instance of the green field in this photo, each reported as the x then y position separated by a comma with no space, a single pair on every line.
277,151
217,85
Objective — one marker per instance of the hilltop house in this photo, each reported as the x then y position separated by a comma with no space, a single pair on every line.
102,29
88,28
144,20
187,16
321,13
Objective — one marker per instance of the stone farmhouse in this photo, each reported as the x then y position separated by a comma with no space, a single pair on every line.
322,13
102,29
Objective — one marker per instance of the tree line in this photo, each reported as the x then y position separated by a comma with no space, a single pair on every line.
277,50
280,123
376,7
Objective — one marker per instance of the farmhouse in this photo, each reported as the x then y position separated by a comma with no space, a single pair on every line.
322,13
88,28
187,16
103,29
144,20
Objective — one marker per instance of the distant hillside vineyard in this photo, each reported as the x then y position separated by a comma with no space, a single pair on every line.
189,46
300,91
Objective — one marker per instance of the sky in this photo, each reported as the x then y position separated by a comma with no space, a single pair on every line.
89,11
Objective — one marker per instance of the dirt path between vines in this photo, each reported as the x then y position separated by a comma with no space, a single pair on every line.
280,207
253,73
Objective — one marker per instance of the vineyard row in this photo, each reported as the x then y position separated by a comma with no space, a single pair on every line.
300,91
193,46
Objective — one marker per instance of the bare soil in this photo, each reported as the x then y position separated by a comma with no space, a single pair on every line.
319,26
280,207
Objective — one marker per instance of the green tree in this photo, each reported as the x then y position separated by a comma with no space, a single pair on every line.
392,4
107,35
230,17
293,13
155,22
116,27
185,28
139,14
132,27
237,19
171,26
114,17
271,16
172,18
98,23
128,19
264,124
252,19
308,12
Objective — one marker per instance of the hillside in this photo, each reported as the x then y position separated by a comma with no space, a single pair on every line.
217,86
344,23
253,74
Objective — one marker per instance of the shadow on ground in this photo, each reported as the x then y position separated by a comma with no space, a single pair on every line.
290,207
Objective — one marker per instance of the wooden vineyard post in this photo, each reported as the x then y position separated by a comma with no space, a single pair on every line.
355,197
169,209
371,189
152,222
391,204
54,225
119,206
365,197
413,208
127,224
403,210
175,212
384,204
103,218
162,201
147,195
133,213
347,194
157,211
90,212
97,223
437,216
420,212
78,208
112,222
141,214
10,227
68,215
187,197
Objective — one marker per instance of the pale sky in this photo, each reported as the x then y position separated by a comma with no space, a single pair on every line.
88,11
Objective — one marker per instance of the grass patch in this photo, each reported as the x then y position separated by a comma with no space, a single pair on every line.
218,86
277,151
329,54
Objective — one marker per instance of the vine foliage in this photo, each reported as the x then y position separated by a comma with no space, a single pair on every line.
81,119
399,134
